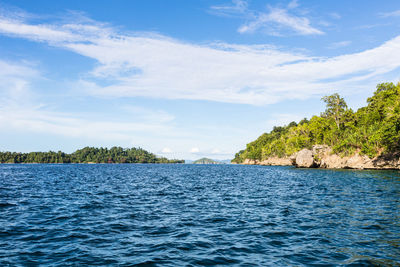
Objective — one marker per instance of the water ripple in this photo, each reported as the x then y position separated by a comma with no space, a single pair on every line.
191,215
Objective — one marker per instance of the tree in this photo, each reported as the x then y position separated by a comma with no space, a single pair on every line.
335,108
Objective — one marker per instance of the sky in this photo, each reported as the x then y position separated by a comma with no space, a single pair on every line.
183,79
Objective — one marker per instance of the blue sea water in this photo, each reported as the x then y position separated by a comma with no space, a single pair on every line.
197,215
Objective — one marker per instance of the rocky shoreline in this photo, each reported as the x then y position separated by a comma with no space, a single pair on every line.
321,156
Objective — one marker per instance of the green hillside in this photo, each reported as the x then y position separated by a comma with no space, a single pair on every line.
371,130
87,155
206,161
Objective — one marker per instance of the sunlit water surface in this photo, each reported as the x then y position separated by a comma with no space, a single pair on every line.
177,215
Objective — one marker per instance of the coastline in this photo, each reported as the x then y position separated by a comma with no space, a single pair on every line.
321,156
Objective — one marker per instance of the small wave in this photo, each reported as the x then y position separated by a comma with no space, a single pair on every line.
159,215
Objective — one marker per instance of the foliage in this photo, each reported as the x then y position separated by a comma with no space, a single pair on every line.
87,155
336,107
206,161
371,130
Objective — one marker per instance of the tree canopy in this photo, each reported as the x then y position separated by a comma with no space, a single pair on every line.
87,155
335,108
371,130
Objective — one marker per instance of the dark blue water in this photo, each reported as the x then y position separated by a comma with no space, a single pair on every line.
197,215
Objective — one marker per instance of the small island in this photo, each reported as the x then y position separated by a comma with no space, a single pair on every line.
87,155
337,139
206,161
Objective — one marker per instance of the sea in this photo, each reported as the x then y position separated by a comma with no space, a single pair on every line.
197,215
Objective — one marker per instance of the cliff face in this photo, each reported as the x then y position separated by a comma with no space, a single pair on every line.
321,157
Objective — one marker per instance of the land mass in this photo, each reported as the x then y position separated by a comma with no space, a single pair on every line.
207,161
87,155
339,138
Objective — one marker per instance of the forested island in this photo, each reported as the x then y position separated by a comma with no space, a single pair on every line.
338,138
207,161
87,155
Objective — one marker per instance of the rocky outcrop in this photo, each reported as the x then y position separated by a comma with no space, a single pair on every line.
387,161
305,159
324,157
250,162
275,161
321,156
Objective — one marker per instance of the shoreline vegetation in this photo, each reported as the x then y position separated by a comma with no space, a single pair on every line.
88,155
339,138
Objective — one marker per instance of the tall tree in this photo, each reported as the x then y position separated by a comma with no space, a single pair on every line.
335,108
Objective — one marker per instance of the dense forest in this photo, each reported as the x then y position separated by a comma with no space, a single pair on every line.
371,130
87,155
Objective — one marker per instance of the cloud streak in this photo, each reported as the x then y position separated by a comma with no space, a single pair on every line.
21,112
341,44
277,21
239,7
156,66
36,120
395,13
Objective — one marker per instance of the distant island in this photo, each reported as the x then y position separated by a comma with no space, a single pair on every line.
206,161
87,155
339,138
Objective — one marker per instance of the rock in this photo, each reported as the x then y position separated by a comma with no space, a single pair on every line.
250,162
292,159
275,161
321,156
246,162
305,159
358,162
332,162
387,161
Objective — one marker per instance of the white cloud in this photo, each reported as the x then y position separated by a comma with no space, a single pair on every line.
149,65
195,150
335,15
15,82
279,19
371,26
21,111
31,119
147,114
35,32
12,69
395,13
339,44
215,151
282,120
238,7
275,22
293,4
166,150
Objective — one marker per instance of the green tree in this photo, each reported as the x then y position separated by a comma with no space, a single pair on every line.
335,108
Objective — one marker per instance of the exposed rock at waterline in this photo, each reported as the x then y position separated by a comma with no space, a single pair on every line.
305,159
321,156
273,161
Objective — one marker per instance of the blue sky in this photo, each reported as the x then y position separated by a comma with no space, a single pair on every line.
183,79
